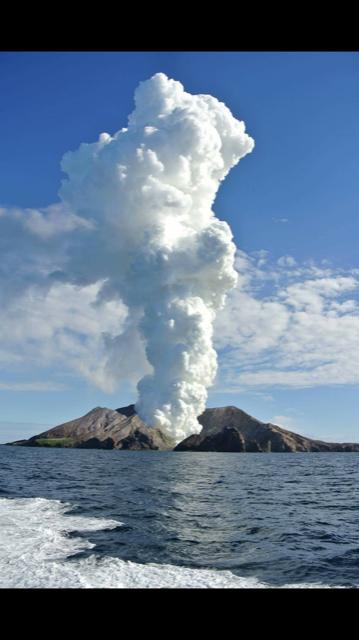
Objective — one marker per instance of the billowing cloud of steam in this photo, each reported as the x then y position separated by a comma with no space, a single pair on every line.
147,193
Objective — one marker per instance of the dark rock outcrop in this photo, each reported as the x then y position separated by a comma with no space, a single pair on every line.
231,429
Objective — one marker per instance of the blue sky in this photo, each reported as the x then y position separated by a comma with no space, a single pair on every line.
296,195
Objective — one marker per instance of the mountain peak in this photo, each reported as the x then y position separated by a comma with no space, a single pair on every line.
128,411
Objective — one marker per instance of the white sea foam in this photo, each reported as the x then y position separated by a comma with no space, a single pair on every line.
35,550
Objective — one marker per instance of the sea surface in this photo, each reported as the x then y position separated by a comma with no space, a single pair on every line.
92,518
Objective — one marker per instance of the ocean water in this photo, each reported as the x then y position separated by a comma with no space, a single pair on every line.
92,518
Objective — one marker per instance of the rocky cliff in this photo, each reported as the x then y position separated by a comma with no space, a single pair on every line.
231,429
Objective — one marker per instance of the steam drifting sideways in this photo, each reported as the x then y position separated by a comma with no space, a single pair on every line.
148,192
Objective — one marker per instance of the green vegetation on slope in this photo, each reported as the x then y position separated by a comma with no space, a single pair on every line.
55,442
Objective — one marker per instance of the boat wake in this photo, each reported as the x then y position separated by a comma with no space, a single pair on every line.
36,551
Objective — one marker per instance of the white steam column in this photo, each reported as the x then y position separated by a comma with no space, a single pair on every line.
149,189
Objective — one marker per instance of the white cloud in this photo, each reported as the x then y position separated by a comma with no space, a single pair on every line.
293,327
286,261
53,221
46,319
65,326
46,222
31,386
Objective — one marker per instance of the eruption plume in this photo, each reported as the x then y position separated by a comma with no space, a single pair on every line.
148,191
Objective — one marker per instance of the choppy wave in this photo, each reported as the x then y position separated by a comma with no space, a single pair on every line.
36,550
